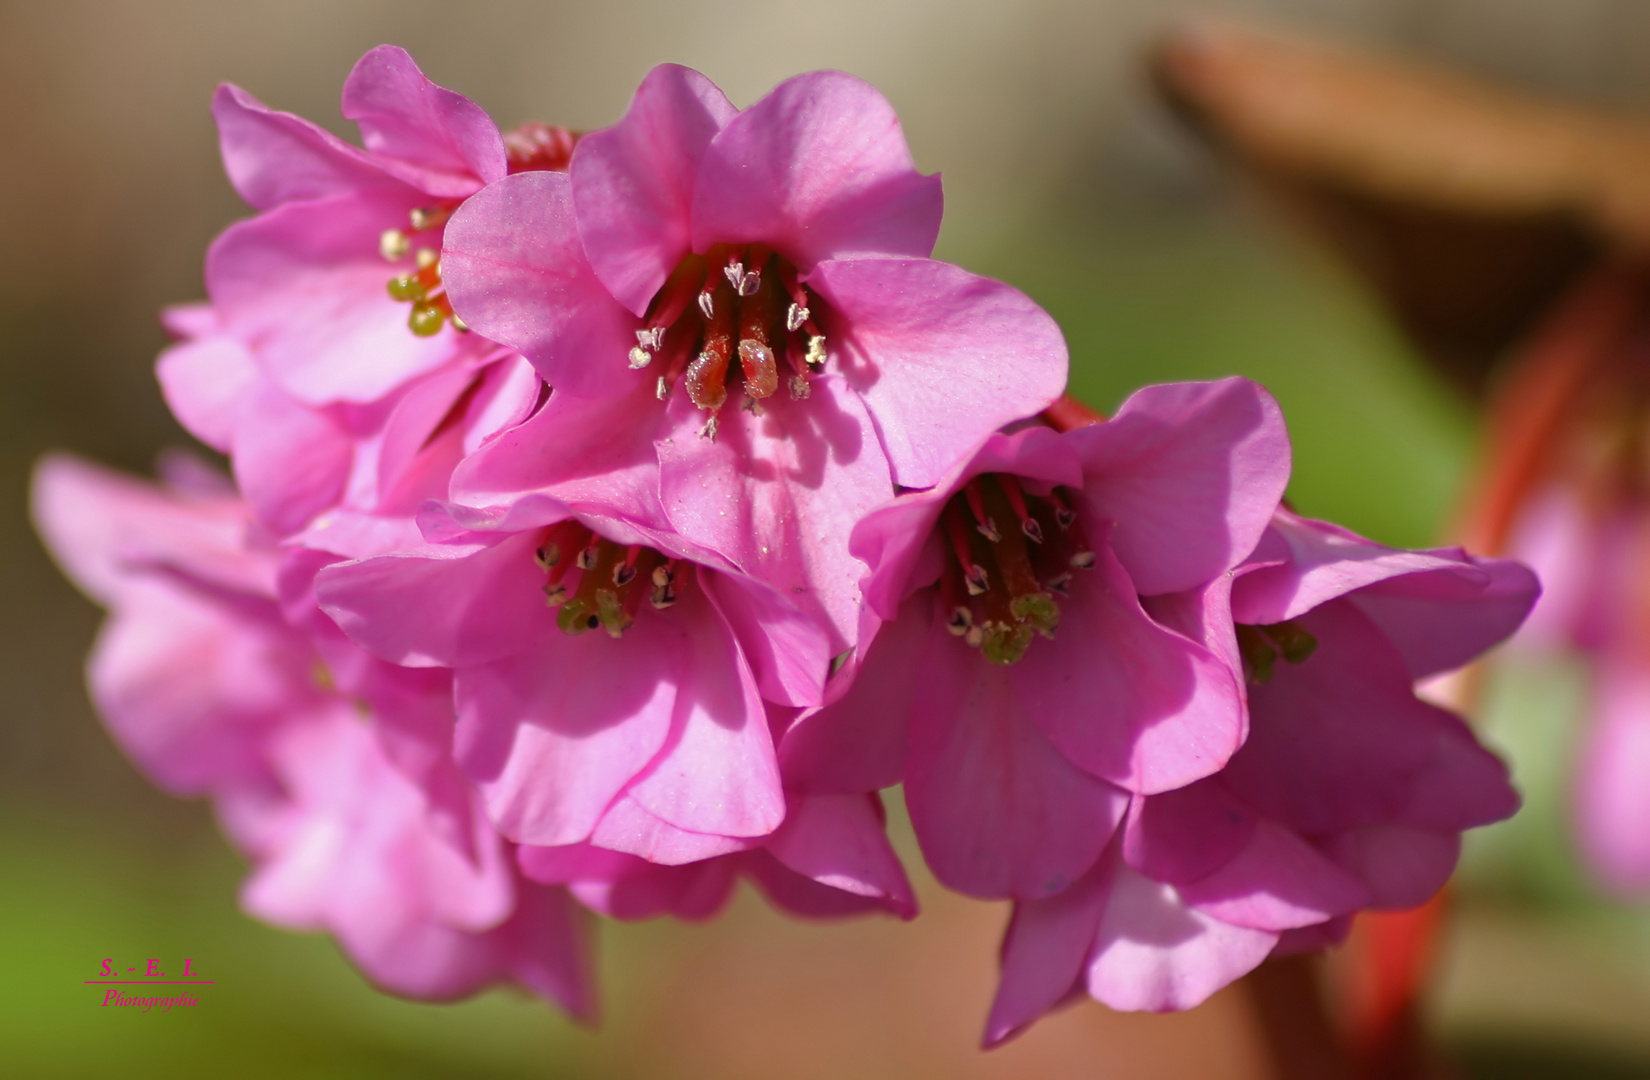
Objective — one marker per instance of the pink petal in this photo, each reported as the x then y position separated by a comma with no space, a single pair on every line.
1189,475
1153,953
858,741
1337,740
450,142
1277,882
553,735
547,946
839,841
1044,953
275,157
999,811
941,358
788,652
516,272
633,182
1183,835
1125,698
1318,562
628,827
203,383
1441,619
778,494
304,287
1462,785
817,169
291,460
801,896
718,772
692,892
1403,866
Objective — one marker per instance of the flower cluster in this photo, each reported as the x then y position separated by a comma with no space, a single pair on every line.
615,515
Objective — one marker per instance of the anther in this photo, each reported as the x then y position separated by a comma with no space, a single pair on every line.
547,556
664,575
800,388
426,258
816,350
587,557
795,316
426,319
975,578
1017,502
735,273
707,305
974,637
394,245
976,505
427,217
651,338
1064,516
459,324
625,572
1060,584
709,430
961,622
555,595
1082,560
662,391
640,358
406,287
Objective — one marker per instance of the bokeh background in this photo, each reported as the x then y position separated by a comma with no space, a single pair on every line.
1063,176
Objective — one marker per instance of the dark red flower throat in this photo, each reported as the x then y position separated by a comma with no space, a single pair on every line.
597,583
739,301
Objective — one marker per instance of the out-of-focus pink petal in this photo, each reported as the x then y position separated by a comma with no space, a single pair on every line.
304,287
516,272
275,157
291,461
1403,866
1462,785
718,772
442,606
691,892
817,169
203,383
839,841
441,141
1045,951
633,182
941,357
1155,954
999,811
1189,475
1125,698
1277,882
553,734
1442,619
778,494
1611,798
547,946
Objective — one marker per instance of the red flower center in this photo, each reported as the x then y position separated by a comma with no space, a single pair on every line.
597,583
1009,555
741,302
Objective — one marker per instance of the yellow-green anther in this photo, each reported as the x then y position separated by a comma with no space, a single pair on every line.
1259,657
612,615
1004,644
577,616
394,245
426,320
1295,644
1038,610
406,287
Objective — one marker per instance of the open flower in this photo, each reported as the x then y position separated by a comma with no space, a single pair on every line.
612,683
328,348
213,691
1019,688
1350,793
696,255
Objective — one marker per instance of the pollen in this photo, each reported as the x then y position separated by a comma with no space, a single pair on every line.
1010,554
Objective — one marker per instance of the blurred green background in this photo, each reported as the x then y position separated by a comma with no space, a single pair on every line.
1062,178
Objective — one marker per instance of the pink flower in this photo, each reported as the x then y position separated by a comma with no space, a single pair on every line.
326,357
213,690
696,253
631,711
1019,755
1349,793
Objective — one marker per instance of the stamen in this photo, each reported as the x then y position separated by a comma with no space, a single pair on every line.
1064,516
800,388
663,390
547,556
1060,584
961,621
1082,560
459,324
640,358
406,287
975,578
426,319
976,505
974,637
709,430
1296,644
428,217
393,244
1017,501
427,257
625,572
816,350
587,557
795,316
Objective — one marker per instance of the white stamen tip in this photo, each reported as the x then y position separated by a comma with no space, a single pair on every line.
800,388
709,430
426,258
663,389
651,338
976,581
640,358
394,245
816,350
988,529
735,273
707,304
748,285
974,636
1033,531
795,317
1083,560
